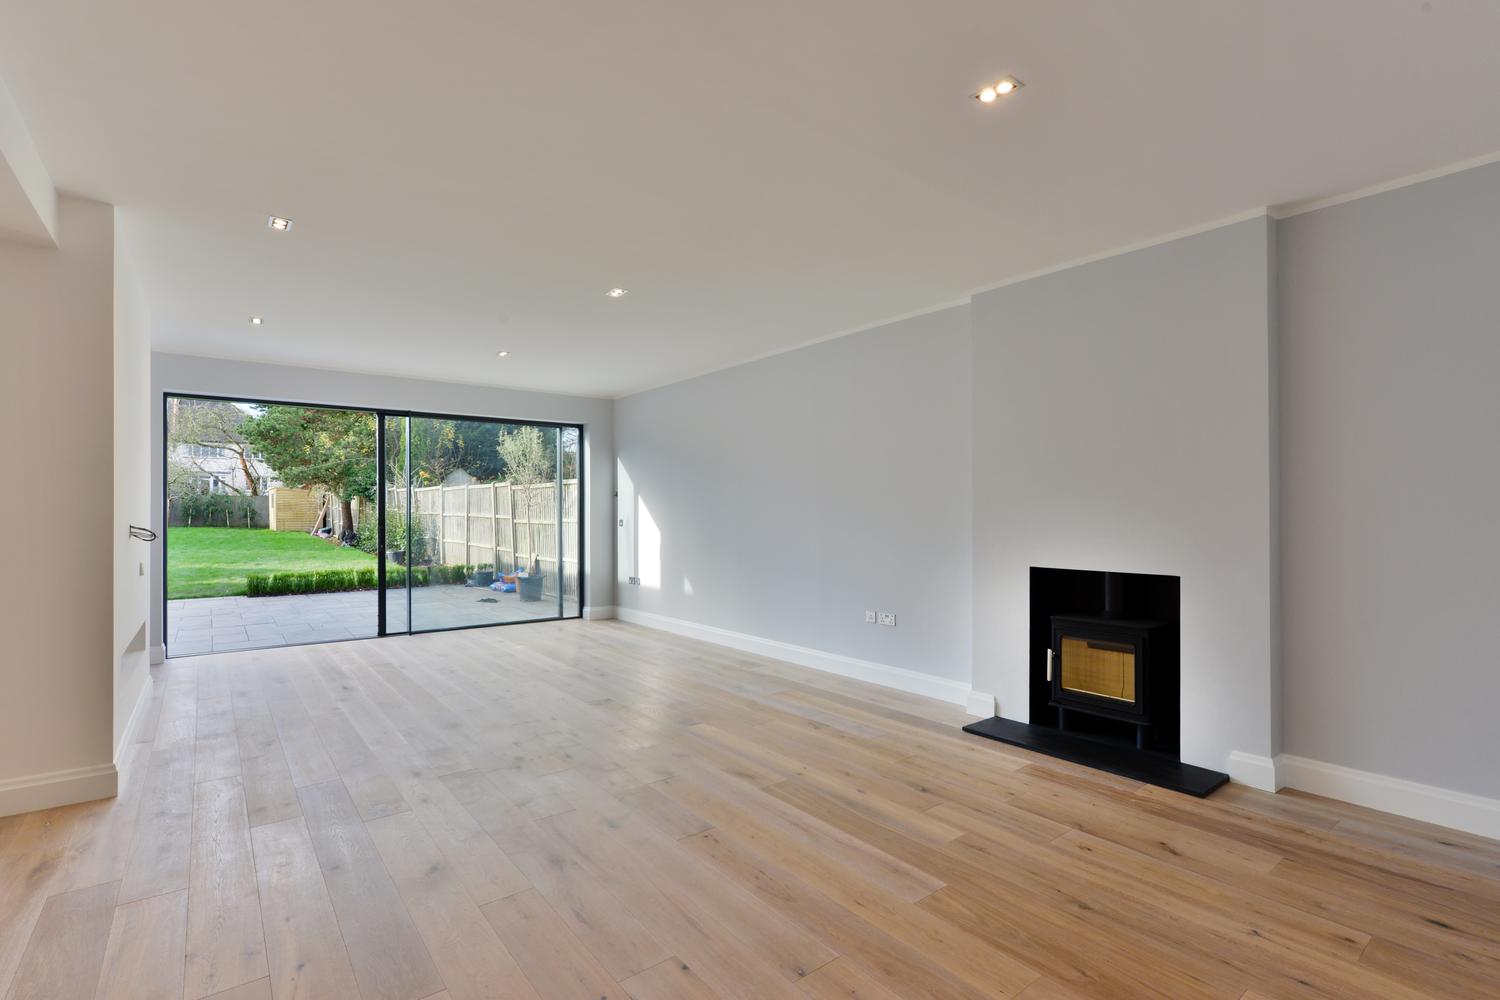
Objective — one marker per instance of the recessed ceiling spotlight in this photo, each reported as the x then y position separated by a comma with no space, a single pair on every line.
616,293
279,224
502,354
256,321
1005,85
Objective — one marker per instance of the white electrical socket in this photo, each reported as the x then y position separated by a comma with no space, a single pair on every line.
869,618
887,618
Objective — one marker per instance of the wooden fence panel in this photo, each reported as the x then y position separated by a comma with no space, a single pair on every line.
427,518
455,523
499,524
570,537
481,525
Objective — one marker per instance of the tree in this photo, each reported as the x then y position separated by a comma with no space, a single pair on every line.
310,447
478,445
207,423
182,485
568,439
435,451
529,462
440,447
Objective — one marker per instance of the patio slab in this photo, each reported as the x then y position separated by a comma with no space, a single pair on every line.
221,624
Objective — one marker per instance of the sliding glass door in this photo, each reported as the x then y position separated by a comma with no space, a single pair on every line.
287,523
482,522
269,515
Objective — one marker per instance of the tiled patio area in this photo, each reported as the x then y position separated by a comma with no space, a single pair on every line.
220,624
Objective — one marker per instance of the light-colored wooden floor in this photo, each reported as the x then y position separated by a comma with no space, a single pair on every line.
586,810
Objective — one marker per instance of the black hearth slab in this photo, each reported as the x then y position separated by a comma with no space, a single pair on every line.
1127,762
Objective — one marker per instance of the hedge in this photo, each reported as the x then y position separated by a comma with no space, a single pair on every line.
331,581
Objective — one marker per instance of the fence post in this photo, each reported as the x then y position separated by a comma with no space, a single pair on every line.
466,523
515,545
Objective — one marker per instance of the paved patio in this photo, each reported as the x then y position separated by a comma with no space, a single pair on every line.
221,624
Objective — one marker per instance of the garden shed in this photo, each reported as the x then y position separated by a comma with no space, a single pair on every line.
294,509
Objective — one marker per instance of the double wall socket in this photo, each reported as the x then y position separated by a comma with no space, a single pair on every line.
880,617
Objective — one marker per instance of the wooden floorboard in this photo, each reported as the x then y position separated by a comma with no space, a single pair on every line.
592,809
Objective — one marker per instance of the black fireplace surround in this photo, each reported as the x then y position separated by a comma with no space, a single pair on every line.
1105,677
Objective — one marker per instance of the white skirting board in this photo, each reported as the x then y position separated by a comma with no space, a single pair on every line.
57,788
1253,770
142,707
910,681
79,784
599,613
1414,800
1428,803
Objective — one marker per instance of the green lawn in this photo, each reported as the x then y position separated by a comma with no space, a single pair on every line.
213,562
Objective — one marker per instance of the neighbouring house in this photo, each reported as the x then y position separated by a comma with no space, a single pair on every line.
208,454
216,468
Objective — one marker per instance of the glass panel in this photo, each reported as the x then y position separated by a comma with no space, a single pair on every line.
1096,667
572,534
397,542
270,537
484,523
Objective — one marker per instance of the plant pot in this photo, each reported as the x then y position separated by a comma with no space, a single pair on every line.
529,588
481,578
397,556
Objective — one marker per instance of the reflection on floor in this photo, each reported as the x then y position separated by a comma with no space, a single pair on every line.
224,624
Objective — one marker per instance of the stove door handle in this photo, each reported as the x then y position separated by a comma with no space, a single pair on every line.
1049,666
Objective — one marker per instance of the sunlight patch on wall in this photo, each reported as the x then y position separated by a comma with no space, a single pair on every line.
648,546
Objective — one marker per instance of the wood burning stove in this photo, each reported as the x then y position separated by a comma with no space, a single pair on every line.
1102,665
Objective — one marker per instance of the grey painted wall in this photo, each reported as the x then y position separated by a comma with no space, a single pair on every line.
1390,323
791,494
1122,421
251,380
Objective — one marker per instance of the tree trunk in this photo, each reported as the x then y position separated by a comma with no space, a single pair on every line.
250,480
346,515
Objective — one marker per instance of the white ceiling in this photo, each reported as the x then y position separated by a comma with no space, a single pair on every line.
472,176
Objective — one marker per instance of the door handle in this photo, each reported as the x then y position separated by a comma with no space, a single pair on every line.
1049,666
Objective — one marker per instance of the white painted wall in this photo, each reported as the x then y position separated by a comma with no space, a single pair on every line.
56,597
250,380
781,499
1122,422
28,201
132,489
1390,321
